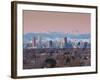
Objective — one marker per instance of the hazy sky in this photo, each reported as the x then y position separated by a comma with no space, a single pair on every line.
43,21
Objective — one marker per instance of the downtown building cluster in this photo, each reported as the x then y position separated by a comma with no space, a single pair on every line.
40,42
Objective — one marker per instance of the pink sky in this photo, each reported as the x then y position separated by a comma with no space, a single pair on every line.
43,21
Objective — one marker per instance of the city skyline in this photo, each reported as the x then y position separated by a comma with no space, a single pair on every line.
50,41
43,21
57,35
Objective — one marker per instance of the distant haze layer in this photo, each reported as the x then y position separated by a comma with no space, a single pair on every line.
49,21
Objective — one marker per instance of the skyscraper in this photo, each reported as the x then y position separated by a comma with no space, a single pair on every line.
50,44
65,41
34,42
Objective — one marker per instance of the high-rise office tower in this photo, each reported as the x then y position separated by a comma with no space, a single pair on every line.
65,41
61,44
40,41
50,44
34,42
